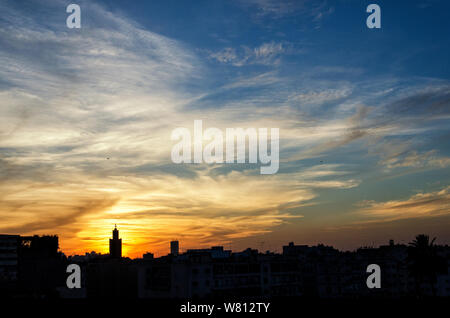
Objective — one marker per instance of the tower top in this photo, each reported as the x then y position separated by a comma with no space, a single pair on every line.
115,233
115,244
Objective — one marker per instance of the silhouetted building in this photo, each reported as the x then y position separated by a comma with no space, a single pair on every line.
174,248
148,256
115,244
31,266
9,245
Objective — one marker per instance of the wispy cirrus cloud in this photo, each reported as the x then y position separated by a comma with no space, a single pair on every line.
315,10
413,159
420,205
266,54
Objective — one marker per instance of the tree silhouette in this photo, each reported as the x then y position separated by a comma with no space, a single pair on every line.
424,262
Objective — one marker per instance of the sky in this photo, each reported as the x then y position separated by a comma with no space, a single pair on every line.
86,117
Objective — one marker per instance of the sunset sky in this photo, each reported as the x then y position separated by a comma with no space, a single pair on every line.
86,117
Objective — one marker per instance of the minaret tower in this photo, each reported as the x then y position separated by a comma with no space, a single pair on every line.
115,244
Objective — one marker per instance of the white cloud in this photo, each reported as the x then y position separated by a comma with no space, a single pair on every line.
320,96
265,54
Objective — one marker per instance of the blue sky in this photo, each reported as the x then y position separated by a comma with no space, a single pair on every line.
363,117
409,37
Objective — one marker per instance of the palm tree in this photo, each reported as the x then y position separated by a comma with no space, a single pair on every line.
424,262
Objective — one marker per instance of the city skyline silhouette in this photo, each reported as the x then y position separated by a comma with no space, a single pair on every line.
33,265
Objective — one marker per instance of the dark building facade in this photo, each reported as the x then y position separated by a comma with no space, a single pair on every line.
300,271
31,266
9,248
